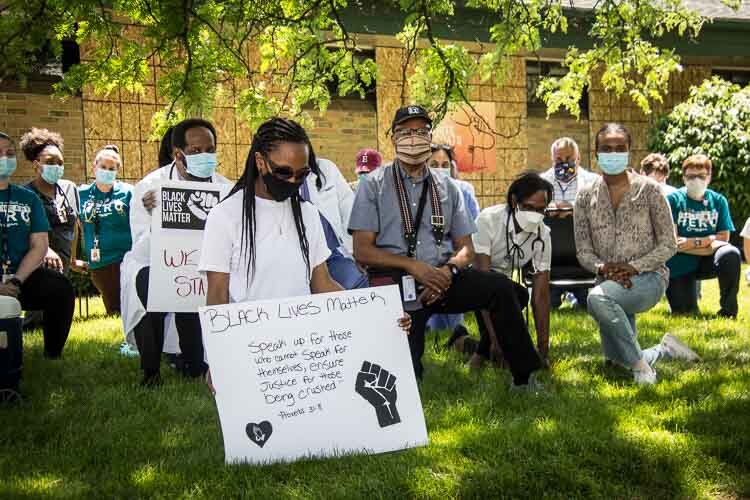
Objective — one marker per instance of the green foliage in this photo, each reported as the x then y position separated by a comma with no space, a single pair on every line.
715,121
280,57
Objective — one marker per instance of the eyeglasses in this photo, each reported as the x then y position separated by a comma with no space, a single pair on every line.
400,133
286,173
690,177
530,208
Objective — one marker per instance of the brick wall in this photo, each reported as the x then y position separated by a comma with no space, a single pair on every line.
348,126
523,141
20,111
542,132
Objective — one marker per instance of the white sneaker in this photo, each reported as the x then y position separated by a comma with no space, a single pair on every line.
678,349
643,377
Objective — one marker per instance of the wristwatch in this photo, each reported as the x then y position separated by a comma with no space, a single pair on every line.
697,242
15,282
453,269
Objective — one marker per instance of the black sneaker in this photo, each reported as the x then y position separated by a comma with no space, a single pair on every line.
458,332
151,381
724,314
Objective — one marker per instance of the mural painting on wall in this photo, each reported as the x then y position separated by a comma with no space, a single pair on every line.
470,135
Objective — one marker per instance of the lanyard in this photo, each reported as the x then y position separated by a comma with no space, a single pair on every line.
567,186
410,228
5,233
94,219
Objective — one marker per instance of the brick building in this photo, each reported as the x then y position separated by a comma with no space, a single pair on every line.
88,122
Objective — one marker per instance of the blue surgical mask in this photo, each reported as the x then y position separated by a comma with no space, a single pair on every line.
613,163
106,177
52,173
7,166
201,165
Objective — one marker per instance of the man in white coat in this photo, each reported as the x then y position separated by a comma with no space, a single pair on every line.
194,152
327,189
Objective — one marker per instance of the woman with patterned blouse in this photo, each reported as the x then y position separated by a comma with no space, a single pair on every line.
624,233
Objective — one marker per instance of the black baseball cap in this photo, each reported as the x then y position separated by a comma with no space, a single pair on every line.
409,112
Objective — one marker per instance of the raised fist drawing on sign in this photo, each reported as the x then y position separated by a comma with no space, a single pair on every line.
378,386
201,202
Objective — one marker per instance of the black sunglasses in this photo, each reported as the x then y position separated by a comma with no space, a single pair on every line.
286,173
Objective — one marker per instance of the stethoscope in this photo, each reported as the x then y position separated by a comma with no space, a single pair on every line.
514,253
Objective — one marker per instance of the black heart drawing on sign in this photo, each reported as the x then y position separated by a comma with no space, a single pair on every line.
259,433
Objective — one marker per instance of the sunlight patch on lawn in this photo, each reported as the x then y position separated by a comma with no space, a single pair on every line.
144,475
48,484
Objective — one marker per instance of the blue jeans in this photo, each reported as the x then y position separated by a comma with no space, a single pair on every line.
445,321
614,308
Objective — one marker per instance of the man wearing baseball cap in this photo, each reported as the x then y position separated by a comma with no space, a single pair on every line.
367,161
411,228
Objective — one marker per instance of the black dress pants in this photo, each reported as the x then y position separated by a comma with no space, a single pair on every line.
473,290
149,335
725,264
52,293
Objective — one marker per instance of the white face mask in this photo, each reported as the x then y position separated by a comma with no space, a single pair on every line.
696,188
528,220
443,172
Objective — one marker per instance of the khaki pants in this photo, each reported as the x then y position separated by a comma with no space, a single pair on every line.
107,280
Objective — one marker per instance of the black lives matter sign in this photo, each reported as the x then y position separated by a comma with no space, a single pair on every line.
186,208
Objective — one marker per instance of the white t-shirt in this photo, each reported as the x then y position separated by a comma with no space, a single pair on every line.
746,230
280,269
490,239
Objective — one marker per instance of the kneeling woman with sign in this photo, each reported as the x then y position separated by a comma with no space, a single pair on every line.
261,242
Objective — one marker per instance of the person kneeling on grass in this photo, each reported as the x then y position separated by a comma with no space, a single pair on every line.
703,224
411,228
624,234
262,241
105,215
23,247
509,238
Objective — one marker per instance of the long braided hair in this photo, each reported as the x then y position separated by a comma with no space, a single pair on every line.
268,137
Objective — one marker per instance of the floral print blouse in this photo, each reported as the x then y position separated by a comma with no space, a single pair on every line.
640,232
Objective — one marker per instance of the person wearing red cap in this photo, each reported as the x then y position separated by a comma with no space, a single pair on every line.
367,161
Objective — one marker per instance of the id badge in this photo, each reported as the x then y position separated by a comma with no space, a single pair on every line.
409,286
7,278
62,215
95,255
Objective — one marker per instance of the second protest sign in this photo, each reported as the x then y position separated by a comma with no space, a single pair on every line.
177,225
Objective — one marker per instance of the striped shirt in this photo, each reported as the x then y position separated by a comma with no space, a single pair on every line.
567,192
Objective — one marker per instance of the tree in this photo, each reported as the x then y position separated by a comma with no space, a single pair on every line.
715,121
287,54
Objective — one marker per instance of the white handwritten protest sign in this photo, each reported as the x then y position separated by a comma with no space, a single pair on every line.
176,236
313,376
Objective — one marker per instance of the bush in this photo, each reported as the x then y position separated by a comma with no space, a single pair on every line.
715,121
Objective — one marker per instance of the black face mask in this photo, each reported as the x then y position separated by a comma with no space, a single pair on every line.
280,190
565,171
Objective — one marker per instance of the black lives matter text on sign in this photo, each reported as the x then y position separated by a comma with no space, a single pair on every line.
186,208
295,375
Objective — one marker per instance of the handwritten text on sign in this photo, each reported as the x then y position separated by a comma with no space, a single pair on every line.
317,375
176,238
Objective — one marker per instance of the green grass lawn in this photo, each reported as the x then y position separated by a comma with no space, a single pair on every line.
88,430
